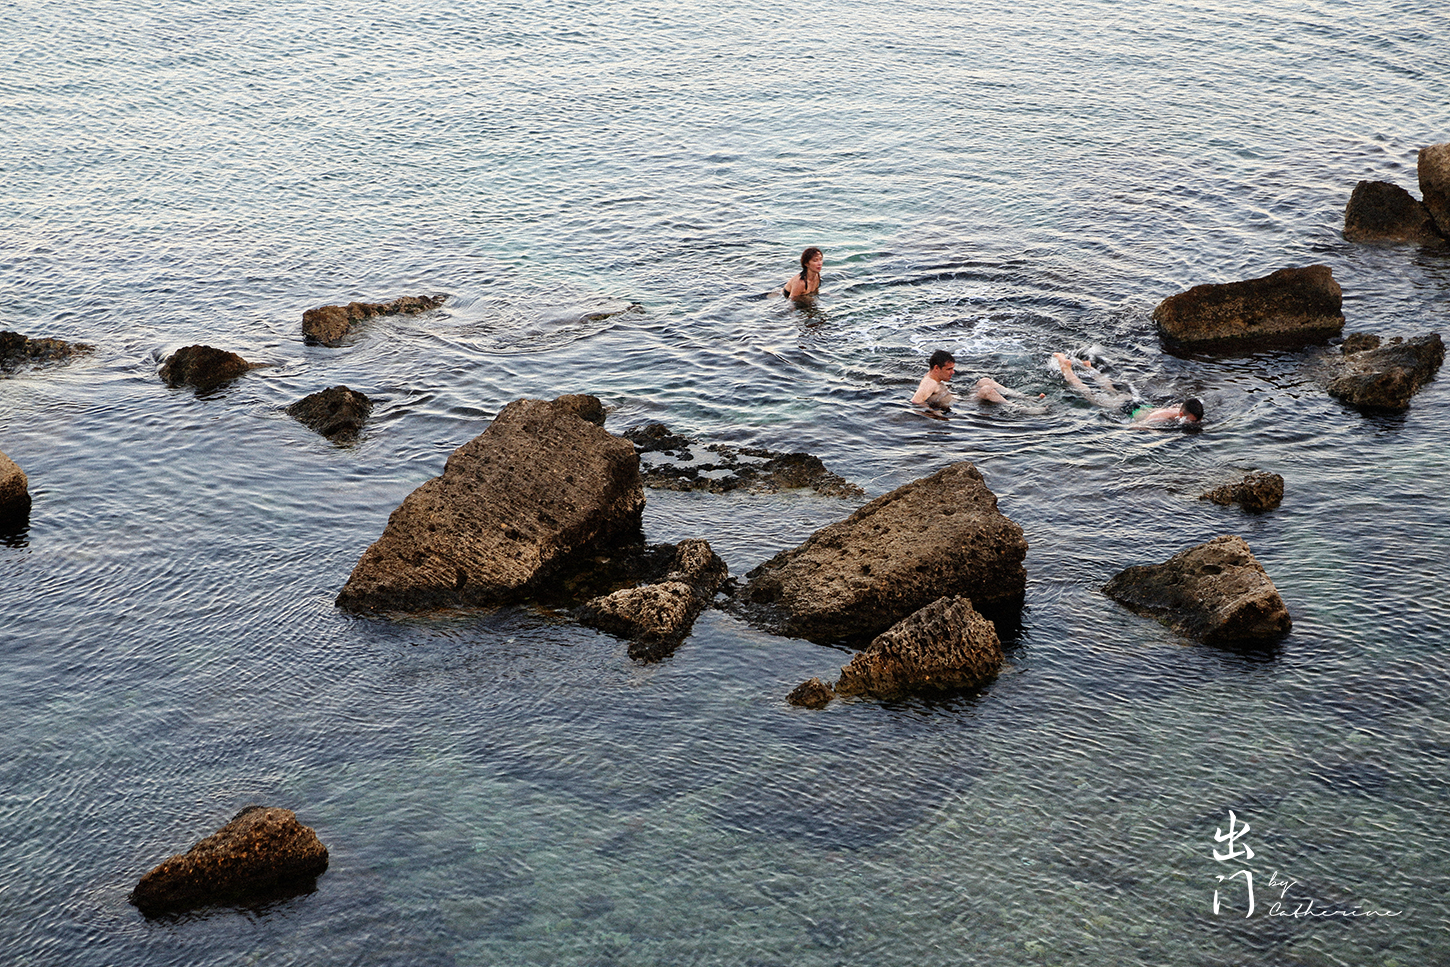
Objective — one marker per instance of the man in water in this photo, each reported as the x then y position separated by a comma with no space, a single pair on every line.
1109,397
933,390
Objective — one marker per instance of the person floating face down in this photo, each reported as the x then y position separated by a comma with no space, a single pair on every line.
1108,396
809,281
933,389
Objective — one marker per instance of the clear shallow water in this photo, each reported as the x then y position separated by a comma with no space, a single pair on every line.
1004,181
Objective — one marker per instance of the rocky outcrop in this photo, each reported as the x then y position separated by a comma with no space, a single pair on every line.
946,645
261,854
540,488
329,324
338,413
1383,376
1295,306
14,492
941,535
669,463
1257,492
1216,592
812,693
17,350
657,617
1382,212
1433,167
203,367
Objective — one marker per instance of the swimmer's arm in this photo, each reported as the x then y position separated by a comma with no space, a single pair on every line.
924,391
795,288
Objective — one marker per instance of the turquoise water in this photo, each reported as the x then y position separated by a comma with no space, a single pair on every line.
1004,181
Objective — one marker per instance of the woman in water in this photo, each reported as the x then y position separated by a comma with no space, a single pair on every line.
809,281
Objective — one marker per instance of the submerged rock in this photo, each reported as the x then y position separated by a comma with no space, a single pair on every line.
1216,592
17,350
338,413
812,693
946,645
260,854
329,324
203,367
14,492
657,617
1433,168
674,466
539,488
941,535
1382,212
1294,306
1256,492
1383,376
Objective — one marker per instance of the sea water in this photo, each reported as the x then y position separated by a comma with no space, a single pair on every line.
1002,180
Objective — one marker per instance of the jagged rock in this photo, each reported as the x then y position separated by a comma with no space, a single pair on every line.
587,408
754,469
203,367
1433,167
945,645
812,693
14,491
260,854
1294,306
941,535
1381,212
610,314
1256,492
329,324
537,490
657,617
338,413
1385,376
1216,592
17,350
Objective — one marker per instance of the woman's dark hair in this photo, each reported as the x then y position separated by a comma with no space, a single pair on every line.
809,254
1194,407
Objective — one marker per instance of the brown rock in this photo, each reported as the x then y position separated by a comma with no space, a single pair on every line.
1216,592
941,535
1256,492
1383,376
17,350
945,645
1381,212
812,693
338,413
1288,307
259,854
539,487
329,324
14,491
203,367
1434,170
660,614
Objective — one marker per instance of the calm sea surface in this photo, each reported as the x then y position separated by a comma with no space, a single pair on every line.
999,179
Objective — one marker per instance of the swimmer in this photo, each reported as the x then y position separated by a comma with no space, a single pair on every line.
809,281
933,390
1110,397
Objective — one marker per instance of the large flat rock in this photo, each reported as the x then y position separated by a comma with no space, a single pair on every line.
941,535
1385,375
1216,592
1296,306
541,486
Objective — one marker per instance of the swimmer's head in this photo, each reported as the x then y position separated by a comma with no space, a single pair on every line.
810,255
940,358
1193,407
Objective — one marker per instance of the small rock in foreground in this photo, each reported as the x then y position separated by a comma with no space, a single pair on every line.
203,367
1256,492
329,324
946,645
1383,376
17,350
1433,168
338,413
14,491
1382,212
1295,306
261,854
657,617
812,693
1216,592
